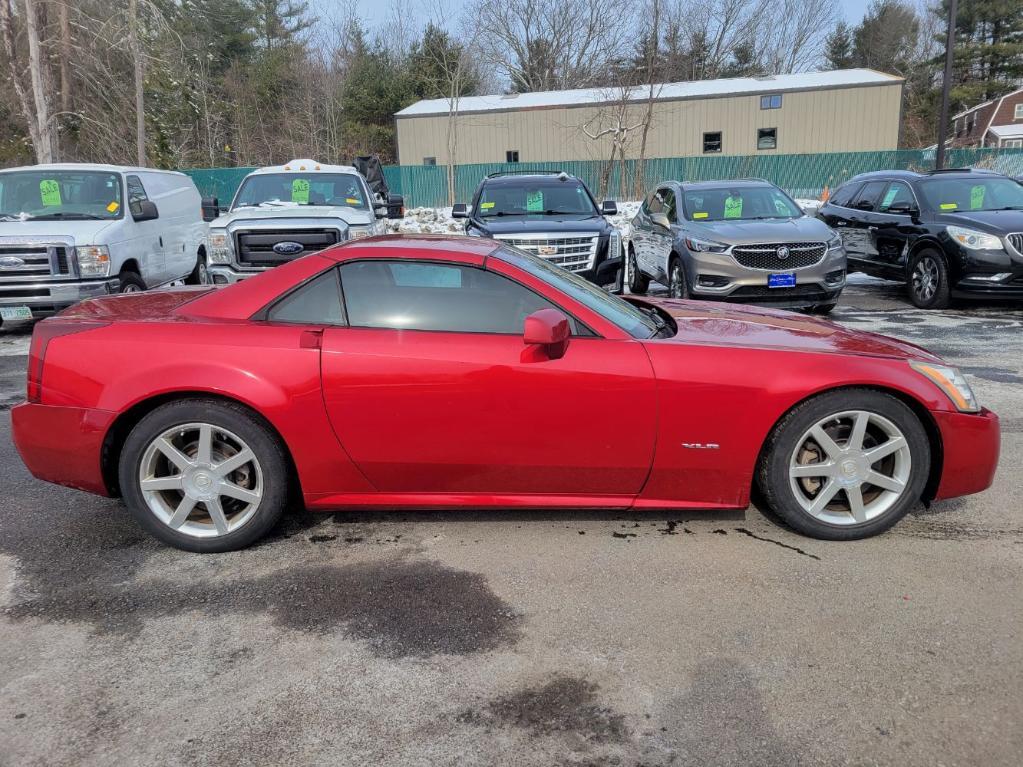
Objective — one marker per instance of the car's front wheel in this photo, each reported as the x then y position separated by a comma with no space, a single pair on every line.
928,281
844,465
638,283
204,475
677,285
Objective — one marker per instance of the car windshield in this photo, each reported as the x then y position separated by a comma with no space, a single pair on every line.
955,193
739,203
60,194
632,320
535,197
287,189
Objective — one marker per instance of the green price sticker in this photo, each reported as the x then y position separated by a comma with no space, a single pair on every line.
889,196
733,207
300,190
49,191
534,201
977,197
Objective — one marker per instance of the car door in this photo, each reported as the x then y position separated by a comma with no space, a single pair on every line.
663,238
856,235
147,246
893,228
431,390
642,231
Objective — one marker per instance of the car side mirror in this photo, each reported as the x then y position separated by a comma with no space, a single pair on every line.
609,208
661,220
210,208
903,209
459,210
395,206
549,330
144,210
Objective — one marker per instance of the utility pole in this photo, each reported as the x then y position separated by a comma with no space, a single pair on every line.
140,105
939,160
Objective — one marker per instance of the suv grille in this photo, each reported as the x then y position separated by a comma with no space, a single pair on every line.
1016,240
36,261
800,255
256,248
576,254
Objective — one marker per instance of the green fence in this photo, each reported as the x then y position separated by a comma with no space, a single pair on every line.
802,175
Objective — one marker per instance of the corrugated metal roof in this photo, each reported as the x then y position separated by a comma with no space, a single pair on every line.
739,86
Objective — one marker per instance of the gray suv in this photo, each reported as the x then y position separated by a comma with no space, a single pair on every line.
735,241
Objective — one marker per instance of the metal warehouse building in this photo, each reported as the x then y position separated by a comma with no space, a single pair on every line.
849,110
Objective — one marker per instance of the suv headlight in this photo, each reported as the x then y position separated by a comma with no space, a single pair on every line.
696,245
952,382
93,260
974,240
835,242
220,246
614,244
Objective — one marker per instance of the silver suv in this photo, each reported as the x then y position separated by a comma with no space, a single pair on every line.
735,241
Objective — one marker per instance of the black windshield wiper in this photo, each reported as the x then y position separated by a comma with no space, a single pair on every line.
502,213
69,217
653,314
14,216
568,213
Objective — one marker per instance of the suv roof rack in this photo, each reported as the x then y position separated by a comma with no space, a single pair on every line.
936,171
498,173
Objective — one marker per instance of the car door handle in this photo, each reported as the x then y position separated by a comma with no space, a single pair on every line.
841,223
310,339
871,228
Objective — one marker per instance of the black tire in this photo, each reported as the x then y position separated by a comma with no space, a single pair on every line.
678,287
823,309
927,281
773,470
199,275
264,443
639,283
130,282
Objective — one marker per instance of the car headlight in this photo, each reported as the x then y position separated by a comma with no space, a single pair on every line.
358,232
974,240
474,233
220,247
93,260
835,242
614,244
952,382
697,245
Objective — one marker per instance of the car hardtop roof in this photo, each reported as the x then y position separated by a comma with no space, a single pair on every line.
740,183
413,245
92,166
511,178
304,166
909,175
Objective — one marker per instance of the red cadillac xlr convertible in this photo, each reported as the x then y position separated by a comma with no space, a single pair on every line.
444,372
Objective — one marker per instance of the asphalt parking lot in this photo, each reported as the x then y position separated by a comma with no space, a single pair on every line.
511,638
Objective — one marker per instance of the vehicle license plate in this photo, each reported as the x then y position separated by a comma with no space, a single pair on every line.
15,313
781,280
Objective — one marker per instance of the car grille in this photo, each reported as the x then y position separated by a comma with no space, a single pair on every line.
255,248
1016,240
576,254
764,293
37,261
765,256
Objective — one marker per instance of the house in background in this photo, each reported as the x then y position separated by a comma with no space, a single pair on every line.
995,123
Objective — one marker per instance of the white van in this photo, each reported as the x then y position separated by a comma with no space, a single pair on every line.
74,231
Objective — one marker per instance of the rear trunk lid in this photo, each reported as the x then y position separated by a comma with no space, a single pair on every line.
133,307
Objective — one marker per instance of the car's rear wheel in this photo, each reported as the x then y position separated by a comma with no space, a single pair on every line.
677,286
204,475
823,309
199,275
928,281
130,282
845,465
638,282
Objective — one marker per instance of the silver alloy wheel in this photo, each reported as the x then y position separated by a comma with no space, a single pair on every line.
130,287
204,275
850,467
632,268
201,480
925,278
675,280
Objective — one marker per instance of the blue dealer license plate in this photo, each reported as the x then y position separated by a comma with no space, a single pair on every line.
781,280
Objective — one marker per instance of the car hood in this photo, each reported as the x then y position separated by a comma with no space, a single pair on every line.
513,225
81,232
803,229
992,221
720,324
350,216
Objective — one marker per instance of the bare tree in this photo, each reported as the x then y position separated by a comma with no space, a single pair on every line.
35,110
652,73
614,123
138,69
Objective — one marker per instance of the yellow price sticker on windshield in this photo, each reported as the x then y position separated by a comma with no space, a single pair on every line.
300,190
977,197
112,207
488,205
49,193
700,215
733,207
351,201
948,206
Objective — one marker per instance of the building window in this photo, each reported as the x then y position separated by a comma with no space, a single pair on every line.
767,138
429,161
512,155
1018,113
1013,143
771,102
712,142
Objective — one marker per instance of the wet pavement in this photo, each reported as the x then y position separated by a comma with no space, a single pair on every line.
527,638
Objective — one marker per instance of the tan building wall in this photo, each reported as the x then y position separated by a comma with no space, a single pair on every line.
849,119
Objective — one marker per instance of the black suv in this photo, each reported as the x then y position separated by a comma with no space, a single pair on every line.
949,234
552,215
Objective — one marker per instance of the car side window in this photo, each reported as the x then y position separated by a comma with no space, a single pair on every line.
654,204
898,194
668,196
843,196
417,295
868,195
136,193
317,302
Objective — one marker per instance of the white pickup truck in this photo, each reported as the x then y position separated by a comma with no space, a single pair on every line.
286,211
71,231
